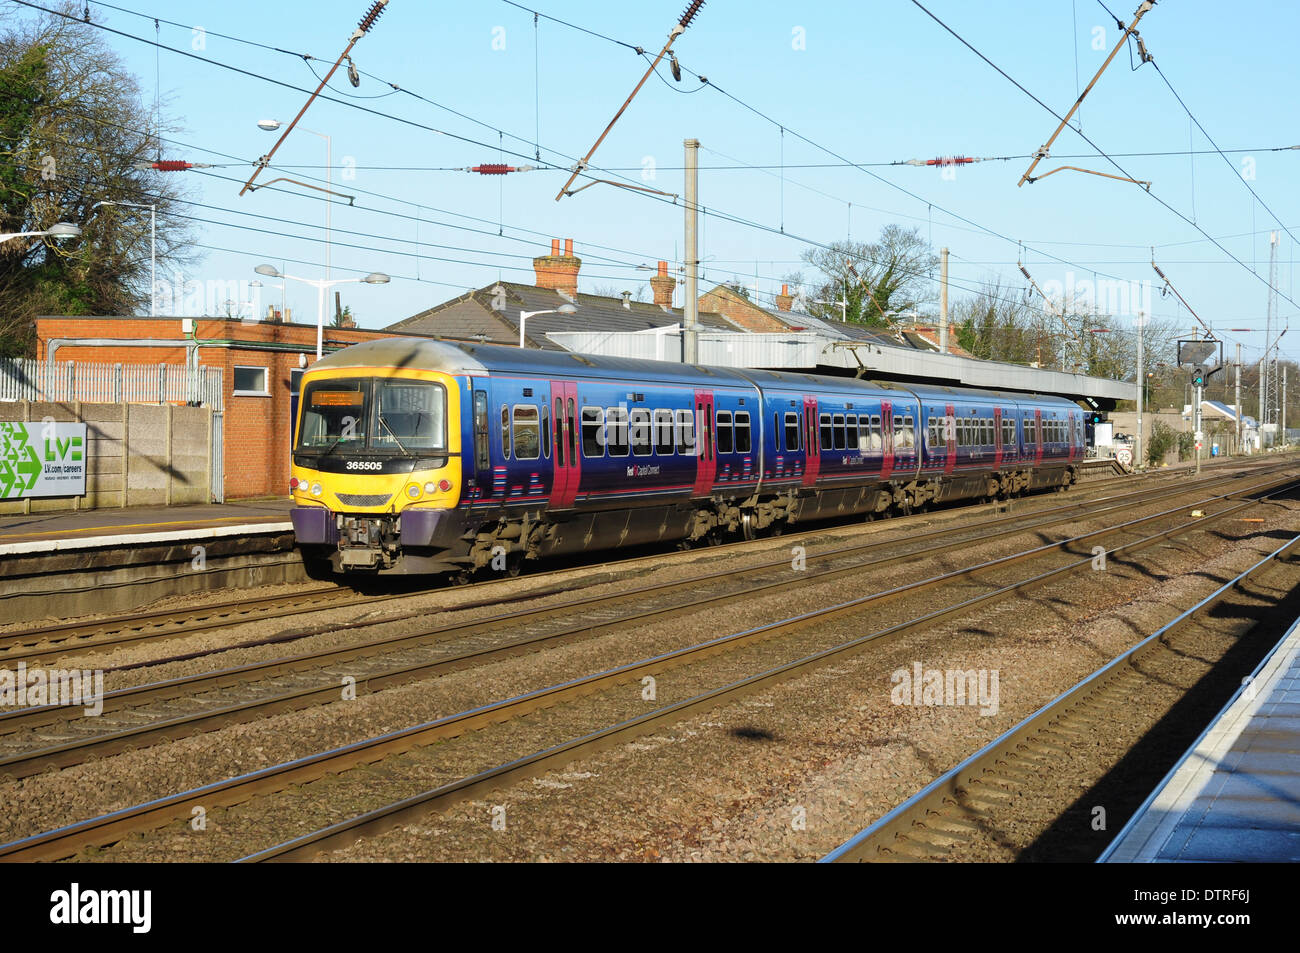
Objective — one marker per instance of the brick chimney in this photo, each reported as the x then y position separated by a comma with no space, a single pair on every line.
663,286
784,300
557,271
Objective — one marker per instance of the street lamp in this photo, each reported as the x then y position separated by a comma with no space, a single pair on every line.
374,278
525,315
62,230
843,305
153,249
271,125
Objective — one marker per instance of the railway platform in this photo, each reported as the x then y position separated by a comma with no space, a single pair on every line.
1235,795
59,565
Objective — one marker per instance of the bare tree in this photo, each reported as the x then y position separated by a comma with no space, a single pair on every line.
73,128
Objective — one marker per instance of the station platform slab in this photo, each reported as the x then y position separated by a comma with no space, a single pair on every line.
1235,795
22,534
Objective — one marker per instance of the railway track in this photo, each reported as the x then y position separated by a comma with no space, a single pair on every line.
109,828
978,797
79,638
38,739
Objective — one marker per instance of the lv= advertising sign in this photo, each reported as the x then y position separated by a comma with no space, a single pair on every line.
42,459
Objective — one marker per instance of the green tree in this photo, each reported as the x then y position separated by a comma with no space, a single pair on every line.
875,278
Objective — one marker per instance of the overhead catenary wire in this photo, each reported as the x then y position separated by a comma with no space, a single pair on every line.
735,219
1100,151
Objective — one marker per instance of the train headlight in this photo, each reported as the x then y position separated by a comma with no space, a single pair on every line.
430,488
316,489
413,491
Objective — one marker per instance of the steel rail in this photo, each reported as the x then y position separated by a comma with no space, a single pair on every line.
386,818
75,751
112,827
883,839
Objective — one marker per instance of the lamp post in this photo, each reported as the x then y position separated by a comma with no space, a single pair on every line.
271,125
525,315
61,231
843,306
153,248
374,278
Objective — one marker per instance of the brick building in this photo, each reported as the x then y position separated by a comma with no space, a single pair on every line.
260,363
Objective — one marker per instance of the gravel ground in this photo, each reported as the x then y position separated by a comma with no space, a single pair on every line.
231,832
793,772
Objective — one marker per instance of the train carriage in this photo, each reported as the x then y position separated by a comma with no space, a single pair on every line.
418,456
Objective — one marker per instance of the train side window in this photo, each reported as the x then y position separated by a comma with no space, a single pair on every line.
876,442
838,427
527,443
851,432
593,419
640,433
743,441
828,436
791,433
686,433
505,432
571,428
903,434
616,431
725,433
481,460
546,431
664,432
776,431
559,431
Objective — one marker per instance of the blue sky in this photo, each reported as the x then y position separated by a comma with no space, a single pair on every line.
872,81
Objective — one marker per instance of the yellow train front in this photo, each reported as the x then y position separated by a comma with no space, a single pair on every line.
376,475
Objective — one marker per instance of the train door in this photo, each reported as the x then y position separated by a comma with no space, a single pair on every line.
812,442
997,437
566,461
482,468
706,462
887,439
1038,437
950,437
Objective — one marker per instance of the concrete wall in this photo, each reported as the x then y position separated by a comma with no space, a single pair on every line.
137,454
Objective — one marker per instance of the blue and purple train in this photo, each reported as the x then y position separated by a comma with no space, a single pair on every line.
424,456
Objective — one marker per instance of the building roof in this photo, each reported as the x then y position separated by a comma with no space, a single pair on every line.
491,315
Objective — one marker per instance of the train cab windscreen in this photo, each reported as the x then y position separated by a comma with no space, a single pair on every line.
402,417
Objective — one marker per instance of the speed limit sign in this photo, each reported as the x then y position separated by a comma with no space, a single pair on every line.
1125,456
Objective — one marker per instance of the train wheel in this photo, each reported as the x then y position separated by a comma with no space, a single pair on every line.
747,529
458,578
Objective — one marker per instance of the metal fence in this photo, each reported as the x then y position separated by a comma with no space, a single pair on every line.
67,381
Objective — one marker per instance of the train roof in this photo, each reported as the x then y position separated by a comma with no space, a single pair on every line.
480,360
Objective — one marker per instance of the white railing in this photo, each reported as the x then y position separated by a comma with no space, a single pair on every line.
67,381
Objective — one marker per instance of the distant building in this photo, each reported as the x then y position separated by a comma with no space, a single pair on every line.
491,314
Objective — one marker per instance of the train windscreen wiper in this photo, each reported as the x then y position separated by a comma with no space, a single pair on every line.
394,436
